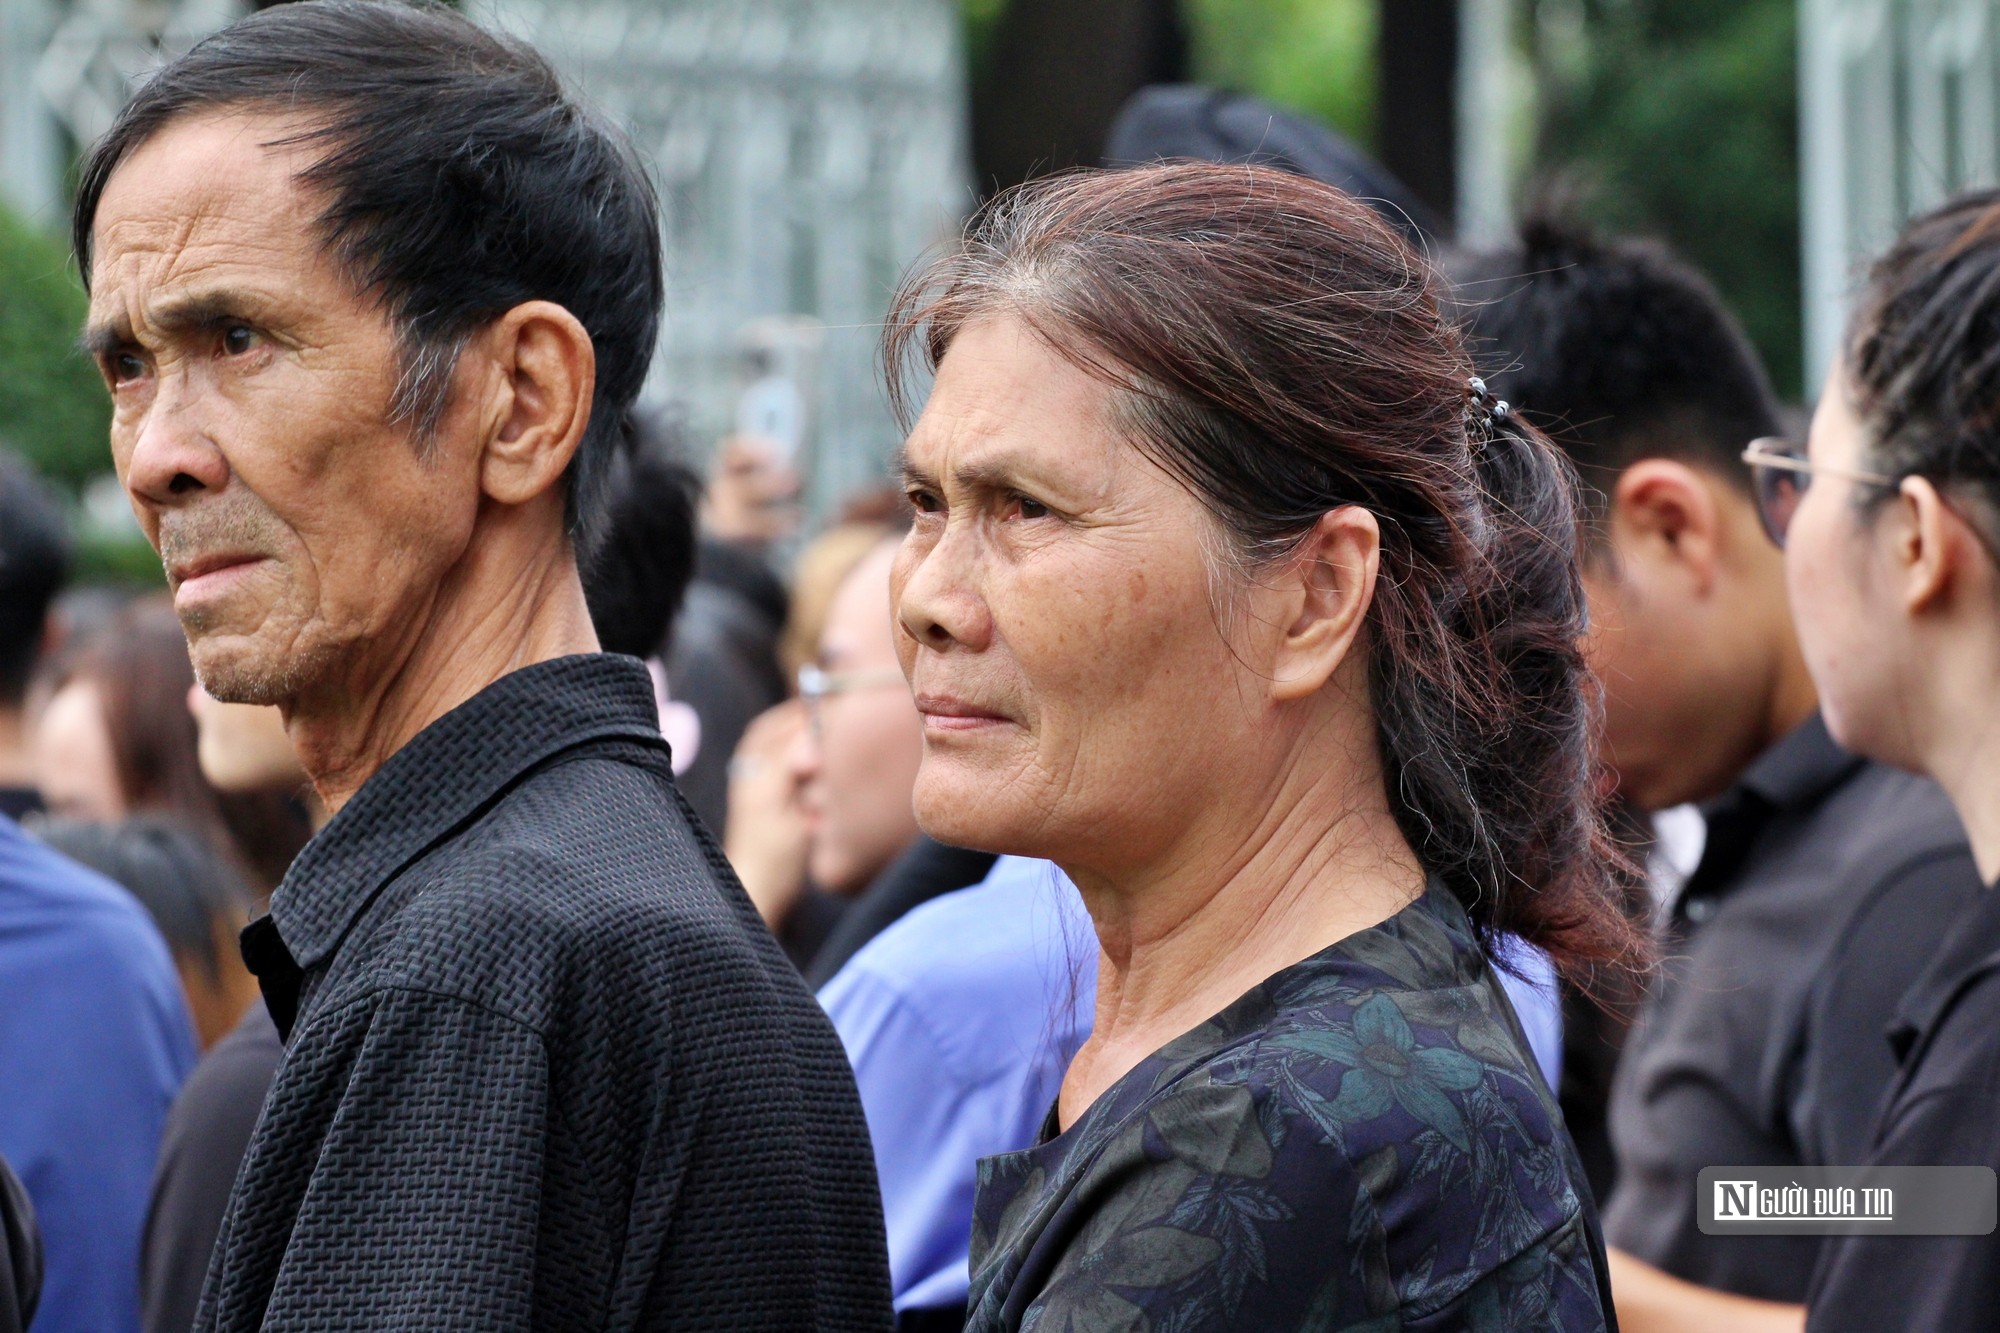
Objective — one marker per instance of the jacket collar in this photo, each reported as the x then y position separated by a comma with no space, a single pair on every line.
447,775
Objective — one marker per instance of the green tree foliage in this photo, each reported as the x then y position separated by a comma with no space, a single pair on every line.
1316,56
1679,118
53,409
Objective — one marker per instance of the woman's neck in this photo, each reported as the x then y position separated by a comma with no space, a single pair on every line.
1968,768
1191,930
1958,735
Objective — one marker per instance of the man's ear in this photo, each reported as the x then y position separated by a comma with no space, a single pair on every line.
544,372
1324,593
1668,510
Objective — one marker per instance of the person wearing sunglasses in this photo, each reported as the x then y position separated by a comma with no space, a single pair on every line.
1826,880
1890,520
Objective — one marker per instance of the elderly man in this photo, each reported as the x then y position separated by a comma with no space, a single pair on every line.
372,297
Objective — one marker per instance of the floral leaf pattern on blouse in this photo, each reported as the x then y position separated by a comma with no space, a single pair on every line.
1360,1143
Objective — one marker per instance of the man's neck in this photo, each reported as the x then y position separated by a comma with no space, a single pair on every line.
1792,697
489,618
1219,912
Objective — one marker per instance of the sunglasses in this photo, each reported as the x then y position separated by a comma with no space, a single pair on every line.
1779,475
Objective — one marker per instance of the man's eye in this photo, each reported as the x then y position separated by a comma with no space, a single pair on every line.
924,502
1029,507
238,339
126,367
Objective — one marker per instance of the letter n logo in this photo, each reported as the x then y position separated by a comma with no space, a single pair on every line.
1736,1200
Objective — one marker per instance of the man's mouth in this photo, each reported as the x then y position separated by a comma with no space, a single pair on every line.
209,576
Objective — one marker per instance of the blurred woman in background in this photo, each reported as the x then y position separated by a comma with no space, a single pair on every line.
1890,522
1234,595
115,738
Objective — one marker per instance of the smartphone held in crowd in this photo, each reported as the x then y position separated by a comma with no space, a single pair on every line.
1337,781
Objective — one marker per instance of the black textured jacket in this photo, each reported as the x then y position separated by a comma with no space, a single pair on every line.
545,1069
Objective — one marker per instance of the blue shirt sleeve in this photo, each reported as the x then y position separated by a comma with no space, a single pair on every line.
95,1039
928,1130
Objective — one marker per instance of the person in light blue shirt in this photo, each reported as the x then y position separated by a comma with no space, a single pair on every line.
960,1019
95,1039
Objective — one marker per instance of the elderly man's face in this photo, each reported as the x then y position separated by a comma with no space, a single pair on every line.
302,529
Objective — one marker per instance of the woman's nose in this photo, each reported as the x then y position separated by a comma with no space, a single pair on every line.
939,600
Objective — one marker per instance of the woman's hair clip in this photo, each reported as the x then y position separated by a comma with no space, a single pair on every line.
1482,411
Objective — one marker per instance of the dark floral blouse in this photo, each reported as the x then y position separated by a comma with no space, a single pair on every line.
1362,1142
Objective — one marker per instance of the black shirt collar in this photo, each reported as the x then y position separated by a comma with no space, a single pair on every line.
444,776
1797,769
1794,774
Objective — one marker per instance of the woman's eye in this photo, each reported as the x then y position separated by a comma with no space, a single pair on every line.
924,502
238,339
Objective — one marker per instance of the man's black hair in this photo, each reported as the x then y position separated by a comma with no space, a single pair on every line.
1617,349
460,181
34,564
640,572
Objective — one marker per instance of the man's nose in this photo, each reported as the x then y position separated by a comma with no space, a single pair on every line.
173,458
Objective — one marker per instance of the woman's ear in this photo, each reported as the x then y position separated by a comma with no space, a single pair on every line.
544,376
1325,593
1929,542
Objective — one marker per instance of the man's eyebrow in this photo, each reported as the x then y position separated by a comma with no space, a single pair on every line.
175,315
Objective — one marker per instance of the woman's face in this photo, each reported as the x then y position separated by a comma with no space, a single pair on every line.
76,768
1054,616
1838,570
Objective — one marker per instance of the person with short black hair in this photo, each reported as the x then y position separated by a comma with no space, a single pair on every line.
373,296
1825,881
1890,521
34,564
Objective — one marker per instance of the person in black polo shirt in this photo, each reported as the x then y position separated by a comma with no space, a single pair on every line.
373,297
1893,557
1826,880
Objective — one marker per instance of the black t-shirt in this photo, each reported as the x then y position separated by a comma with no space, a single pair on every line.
207,1131
1822,894
1944,1110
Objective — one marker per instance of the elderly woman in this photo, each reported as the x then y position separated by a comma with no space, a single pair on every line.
1893,557
1233,595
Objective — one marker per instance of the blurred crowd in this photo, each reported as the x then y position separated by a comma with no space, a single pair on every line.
1800,894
